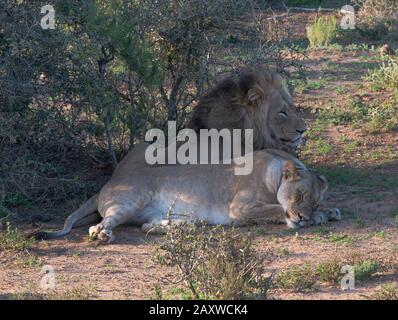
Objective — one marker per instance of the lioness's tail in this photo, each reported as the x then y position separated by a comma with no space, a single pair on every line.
85,210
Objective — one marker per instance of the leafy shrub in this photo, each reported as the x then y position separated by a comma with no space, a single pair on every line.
330,270
13,239
322,32
365,269
388,291
214,262
300,278
303,278
386,76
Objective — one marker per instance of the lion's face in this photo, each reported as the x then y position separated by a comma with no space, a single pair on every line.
284,121
300,193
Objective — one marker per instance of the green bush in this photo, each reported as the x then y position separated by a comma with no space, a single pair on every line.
300,278
214,262
13,239
388,291
322,32
386,76
365,269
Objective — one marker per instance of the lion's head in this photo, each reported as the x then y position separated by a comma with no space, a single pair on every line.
300,193
257,100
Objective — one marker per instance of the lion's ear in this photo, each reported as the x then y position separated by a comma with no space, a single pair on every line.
290,171
323,182
255,94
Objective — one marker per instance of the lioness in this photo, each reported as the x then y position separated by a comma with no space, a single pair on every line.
279,184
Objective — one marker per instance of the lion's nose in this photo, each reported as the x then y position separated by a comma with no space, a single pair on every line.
302,218
301,131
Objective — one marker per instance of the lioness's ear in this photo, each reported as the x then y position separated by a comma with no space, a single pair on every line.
255,94
323,182
290,171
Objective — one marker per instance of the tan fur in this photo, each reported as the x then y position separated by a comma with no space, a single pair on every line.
279,185
253,101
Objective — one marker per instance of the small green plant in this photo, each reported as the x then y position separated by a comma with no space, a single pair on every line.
358,108
299,278
365,269
330,270
214,262
284,251
386,76
322,231
380,234
341,238
13,239
173,293
80,293
335,116
359,222
323,147
322,32
340,89
388,291
261,231
31,261
314,84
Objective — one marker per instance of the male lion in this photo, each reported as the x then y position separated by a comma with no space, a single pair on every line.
279,184
256,100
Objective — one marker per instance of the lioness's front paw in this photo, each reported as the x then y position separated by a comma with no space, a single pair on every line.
94,231
334,214
106,236
318,218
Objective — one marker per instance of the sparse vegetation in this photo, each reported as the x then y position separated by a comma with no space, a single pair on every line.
214,262
330,270
299,278
322,32
13,239
386,76
72,294
365,269
302,278
388,291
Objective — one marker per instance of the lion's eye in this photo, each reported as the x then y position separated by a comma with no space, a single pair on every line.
298,196
283,114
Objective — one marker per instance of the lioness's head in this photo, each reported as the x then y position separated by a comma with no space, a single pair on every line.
258,100
300,193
